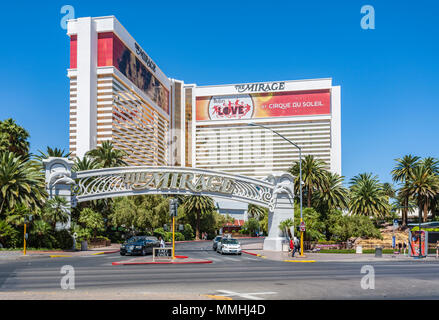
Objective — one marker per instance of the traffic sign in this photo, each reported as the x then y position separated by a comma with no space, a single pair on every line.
302,226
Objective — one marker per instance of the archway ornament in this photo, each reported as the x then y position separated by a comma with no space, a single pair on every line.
275,192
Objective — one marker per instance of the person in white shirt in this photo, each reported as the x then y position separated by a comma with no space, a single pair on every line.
162,243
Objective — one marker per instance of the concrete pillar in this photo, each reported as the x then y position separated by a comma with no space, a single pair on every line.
282,209
59,182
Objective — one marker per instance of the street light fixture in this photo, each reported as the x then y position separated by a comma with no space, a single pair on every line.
300,174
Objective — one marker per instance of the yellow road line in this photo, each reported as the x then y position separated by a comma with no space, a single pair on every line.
95,254
217,297
59,256
309,261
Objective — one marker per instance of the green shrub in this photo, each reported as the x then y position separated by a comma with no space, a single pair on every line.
188,232
63,239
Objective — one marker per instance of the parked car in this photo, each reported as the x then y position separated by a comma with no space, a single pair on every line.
228,245
139,245
215,242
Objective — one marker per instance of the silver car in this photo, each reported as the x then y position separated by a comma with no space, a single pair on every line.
228,245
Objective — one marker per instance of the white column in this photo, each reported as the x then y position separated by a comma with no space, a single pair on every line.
59,180
86,86
336,130
283,209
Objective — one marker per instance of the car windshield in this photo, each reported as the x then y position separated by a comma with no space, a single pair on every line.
230,241
217,238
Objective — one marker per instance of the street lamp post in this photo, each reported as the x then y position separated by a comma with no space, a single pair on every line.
300,175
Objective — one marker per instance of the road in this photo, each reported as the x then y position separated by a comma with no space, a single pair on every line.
236,277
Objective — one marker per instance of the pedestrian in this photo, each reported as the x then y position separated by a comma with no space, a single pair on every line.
404,246
162,243
296,245
399,247
437,249
291,245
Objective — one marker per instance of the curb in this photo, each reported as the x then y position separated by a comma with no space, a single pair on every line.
254,254
160,262
105,252
251,253
303,261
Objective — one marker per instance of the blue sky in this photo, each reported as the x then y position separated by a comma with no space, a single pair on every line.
388,76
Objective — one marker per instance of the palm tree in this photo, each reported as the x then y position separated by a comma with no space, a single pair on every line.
198,205
56,211
285,226
254,211
389,190
313,174
13,138
107,156
367,196
86,163
332,194
21,182
432,164
58,153
401,173
423,186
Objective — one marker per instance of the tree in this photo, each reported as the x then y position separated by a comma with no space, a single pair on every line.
55,211
313,174
198,205
401,173
7,232
285,226
84,164
251,226
107,156
140,212
21,182
13,138
423,186
315,227
255,211
331,194
343,227
367,196
92,220
58,153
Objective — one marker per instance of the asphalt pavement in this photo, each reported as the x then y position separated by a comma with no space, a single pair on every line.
228,277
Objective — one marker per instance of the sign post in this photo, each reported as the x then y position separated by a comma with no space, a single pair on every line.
173,205
25,238
302,228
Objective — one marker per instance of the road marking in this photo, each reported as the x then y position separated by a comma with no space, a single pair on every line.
216,297
59,256
231,259
249,295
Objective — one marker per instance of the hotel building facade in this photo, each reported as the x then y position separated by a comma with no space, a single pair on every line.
118,93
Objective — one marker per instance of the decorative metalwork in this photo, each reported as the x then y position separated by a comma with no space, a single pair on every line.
122,181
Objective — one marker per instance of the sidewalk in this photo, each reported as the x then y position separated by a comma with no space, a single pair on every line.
18,254
256,249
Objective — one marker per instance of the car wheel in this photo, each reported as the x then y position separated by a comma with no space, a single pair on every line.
122,254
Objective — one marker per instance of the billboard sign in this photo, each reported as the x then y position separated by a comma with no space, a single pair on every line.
263,105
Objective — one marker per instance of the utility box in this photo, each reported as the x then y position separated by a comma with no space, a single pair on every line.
359,249
84,246
285,247
378,252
